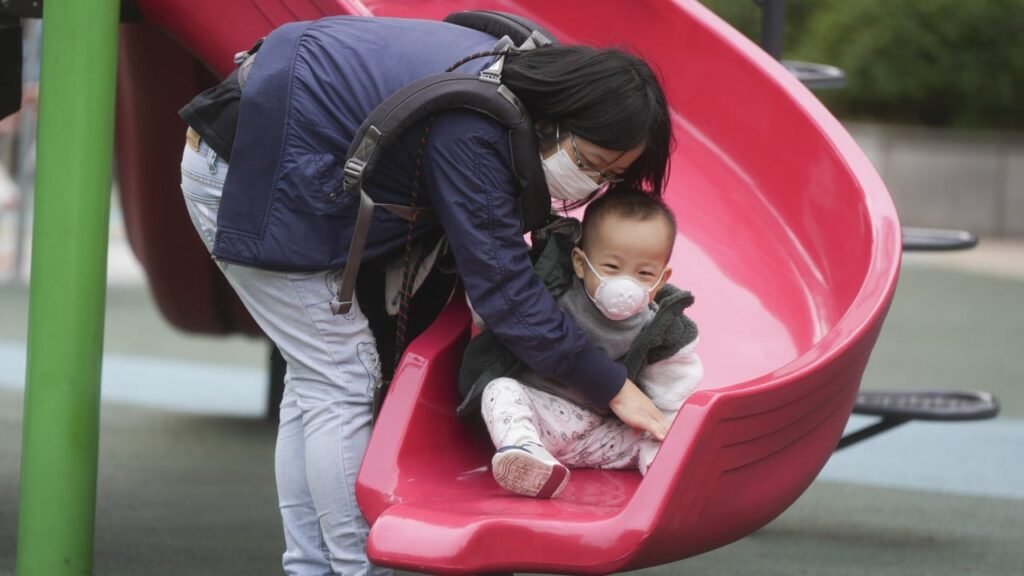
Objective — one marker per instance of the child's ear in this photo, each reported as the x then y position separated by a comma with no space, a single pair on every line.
577,262
664,280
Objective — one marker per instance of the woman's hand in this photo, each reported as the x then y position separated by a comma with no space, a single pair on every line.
634,408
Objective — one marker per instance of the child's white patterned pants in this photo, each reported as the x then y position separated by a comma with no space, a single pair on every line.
579,438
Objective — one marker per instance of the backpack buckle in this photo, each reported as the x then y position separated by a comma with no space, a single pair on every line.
354,172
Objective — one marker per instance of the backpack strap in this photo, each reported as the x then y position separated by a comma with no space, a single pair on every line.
520,30
435,93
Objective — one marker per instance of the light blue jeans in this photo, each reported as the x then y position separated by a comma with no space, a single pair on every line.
326,411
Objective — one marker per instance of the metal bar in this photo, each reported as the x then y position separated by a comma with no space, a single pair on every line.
68,288
937,239
869,431
773,22
816,76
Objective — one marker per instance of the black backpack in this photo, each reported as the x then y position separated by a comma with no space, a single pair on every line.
482,92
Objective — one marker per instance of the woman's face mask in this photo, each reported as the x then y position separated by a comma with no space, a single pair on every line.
565,180
620,297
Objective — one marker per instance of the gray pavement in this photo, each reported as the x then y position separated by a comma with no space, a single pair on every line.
187,493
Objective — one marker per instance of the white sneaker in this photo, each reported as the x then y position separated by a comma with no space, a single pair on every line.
530,470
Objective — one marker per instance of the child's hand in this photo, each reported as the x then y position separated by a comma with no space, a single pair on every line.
634,408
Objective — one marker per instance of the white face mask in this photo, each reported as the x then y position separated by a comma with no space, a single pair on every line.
565,180
620,297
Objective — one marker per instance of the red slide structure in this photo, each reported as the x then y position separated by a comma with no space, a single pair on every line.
787,237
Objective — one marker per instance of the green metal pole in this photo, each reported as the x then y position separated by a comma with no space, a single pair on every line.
68,288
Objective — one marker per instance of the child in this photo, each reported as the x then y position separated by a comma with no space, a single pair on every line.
542,428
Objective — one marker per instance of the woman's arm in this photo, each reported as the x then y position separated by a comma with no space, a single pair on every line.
468,174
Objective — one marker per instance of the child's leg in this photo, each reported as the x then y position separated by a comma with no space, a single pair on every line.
609,443
581,438
508,413
521,464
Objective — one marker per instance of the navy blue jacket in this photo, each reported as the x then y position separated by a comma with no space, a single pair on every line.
283,208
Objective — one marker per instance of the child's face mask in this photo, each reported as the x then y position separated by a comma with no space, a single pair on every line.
619,297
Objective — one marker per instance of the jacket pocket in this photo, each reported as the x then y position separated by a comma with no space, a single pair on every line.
315,185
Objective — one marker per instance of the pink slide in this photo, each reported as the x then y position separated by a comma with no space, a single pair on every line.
787,238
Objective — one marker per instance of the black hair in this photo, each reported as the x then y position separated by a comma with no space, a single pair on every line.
605,96
629,205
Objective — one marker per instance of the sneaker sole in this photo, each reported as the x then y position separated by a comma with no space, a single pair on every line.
521,472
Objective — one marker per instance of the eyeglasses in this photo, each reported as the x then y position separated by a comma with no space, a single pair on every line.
598,175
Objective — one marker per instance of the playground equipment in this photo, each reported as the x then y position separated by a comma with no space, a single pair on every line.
787,236
792,245
789,239
68,292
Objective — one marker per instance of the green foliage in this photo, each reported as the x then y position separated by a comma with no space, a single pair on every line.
745,16
937,62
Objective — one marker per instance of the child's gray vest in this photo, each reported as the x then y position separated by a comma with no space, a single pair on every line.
486,358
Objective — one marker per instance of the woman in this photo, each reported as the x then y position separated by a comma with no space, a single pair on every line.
280,231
